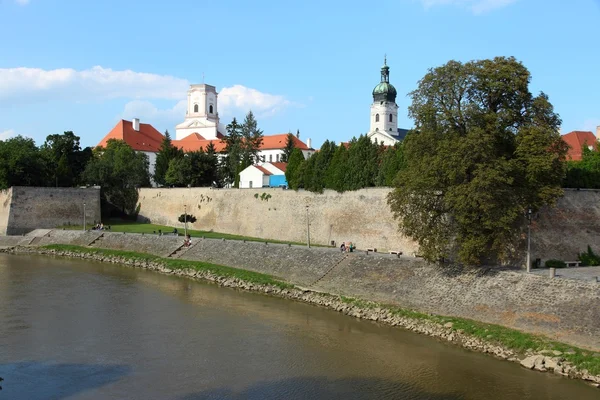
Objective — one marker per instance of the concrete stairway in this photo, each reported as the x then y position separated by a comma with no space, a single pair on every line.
345,258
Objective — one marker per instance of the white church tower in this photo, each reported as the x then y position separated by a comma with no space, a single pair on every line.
201,116
384,110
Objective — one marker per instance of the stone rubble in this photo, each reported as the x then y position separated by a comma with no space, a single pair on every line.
543,361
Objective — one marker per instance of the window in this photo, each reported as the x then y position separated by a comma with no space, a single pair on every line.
262,158
391,118
376,129
210,110
390,129
250,184
376,117
195,108
277,158
270,157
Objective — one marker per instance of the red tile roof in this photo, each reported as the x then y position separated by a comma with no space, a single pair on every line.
279,165
263,170
146,139
576,140
278,141
195,145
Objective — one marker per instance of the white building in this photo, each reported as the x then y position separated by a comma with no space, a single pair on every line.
384,112
261,175
201,116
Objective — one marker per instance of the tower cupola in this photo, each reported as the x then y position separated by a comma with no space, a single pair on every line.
385,91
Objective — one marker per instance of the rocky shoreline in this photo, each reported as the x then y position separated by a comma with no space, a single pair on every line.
543,361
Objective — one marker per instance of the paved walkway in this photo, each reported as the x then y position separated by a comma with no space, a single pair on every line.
579,273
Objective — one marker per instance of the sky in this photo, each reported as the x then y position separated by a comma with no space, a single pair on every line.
81,66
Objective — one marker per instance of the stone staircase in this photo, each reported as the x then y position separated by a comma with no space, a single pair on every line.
344,260
181,250
97,241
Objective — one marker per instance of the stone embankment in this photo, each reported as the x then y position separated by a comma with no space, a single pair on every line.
543,361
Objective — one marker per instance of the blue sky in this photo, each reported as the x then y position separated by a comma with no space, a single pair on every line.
82,65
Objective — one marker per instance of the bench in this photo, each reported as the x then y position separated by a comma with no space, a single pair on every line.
372,249
398,253
572,263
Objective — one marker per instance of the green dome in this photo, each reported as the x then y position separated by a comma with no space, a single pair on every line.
384,91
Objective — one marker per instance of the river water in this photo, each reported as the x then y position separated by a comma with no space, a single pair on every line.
73,329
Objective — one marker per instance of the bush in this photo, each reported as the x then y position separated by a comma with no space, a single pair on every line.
187,217
589,258
555,264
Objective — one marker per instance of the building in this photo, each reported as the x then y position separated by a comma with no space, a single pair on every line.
384,112
264,175
201,116
577,140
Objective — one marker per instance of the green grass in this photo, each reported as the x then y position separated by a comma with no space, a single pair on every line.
139,227
220,270
512,339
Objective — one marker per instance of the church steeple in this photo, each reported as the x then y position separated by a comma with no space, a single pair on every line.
385,71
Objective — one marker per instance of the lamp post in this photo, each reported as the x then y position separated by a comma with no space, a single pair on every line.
84,216
528,240
185,220
307,229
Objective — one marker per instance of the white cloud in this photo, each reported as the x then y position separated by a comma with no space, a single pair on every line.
97,83
7,134
236,100
476,6
22,2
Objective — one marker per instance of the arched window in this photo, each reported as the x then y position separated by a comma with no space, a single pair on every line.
210,109
376,117
391,118
376,129
195,108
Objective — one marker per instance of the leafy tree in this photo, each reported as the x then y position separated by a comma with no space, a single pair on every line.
292,173
318,163
335,176
164,156
187,218
362,165
195,169
289,147
210,149
584,173
252,138
21,163
119,171
484,150
392,161
230,163
65,159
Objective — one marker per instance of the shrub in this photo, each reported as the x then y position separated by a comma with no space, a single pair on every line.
555,264
589,258
189,218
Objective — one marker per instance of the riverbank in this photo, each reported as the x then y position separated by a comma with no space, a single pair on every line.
531,351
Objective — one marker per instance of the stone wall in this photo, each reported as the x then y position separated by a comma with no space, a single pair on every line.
362,217
5,197
41,207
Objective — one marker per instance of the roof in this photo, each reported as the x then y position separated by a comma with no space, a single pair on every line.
279,165
262,169
146,139
278,141
576,140
195,144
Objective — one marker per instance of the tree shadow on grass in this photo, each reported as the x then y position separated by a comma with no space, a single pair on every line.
34,380
322,388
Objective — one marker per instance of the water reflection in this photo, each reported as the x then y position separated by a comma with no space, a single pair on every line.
182,339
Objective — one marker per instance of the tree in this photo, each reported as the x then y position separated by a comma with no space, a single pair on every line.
195,169
319,162
289,147
21,163
483,151
392,161
183,218
362,165
65,159
252,138
119,171
164,156
230,163
292,173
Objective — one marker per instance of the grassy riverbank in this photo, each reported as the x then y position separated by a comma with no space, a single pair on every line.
511,339
139,227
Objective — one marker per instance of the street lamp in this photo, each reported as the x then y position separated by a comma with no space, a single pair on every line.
185,220
84,216
528,240
307,228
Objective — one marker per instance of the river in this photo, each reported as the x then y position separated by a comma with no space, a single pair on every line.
74,329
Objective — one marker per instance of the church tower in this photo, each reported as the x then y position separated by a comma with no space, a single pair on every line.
201,116
384,110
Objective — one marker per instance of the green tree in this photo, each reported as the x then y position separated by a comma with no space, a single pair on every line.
196,169
230,163
484,150
293,173
119,171
21,163
318,163
252,138
392,161
65,159
164,156
362,164
289,147
335,176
